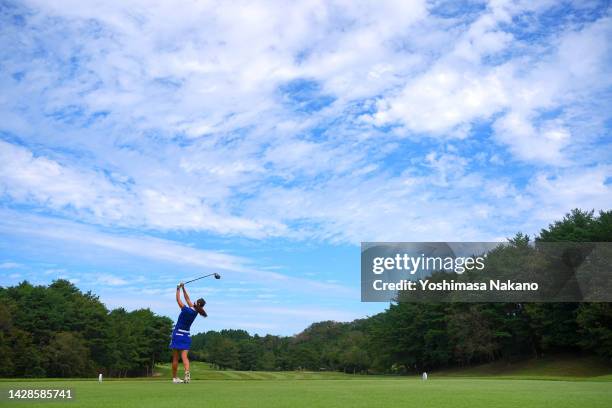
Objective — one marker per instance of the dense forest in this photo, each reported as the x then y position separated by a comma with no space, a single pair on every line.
58,331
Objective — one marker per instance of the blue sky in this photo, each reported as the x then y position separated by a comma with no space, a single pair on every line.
143,143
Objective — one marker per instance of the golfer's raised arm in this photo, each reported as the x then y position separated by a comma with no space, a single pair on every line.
187,297
178,296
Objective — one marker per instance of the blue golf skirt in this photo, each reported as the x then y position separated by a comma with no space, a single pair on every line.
180,340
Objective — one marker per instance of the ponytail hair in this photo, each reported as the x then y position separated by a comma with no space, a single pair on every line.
199,307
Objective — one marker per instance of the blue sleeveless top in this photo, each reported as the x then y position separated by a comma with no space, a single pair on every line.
186,318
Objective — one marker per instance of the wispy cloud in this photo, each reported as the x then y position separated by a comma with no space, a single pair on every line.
146,247
55,271
9,265
111,280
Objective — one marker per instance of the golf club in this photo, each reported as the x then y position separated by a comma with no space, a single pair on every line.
216,275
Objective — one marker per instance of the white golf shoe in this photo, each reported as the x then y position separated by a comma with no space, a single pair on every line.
177,380
187,376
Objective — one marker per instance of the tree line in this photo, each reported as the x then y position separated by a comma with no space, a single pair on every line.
58,331
410,337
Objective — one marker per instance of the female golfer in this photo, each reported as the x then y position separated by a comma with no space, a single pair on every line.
180,335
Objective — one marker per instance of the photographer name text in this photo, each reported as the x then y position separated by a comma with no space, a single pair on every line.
451,285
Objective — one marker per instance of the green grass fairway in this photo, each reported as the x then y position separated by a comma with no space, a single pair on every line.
552,367
579,382
364,392
203,371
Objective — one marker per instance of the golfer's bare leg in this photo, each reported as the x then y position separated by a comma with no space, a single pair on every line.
174,363
185,359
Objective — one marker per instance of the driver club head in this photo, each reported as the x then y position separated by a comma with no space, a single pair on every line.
217,276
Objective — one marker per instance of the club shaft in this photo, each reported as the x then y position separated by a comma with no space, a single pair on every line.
201,277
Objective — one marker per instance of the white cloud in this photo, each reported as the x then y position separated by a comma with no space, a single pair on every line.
111,280
460,88
544,143
153,116
554,193
54,271
10,265
26,178
444,98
